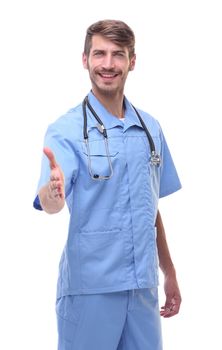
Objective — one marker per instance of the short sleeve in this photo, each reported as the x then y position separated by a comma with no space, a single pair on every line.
169,179
66,156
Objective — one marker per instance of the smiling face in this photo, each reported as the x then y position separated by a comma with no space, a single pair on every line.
108,65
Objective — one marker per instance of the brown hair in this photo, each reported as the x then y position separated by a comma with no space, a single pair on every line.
116,31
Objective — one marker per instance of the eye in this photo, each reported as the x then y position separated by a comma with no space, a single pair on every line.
119,53
98,53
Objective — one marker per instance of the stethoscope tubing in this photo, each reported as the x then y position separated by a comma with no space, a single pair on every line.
154,159
103,129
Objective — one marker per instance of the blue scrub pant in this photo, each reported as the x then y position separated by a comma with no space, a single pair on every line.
127,320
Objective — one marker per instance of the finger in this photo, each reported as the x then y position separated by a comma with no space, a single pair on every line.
56,185
55,175
54,178
168,314
165,313
56,188
49,154
170,309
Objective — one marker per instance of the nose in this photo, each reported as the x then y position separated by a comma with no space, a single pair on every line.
108,62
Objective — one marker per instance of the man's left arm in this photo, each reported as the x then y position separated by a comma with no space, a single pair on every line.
171,288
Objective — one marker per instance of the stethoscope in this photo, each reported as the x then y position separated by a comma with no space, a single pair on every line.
154,158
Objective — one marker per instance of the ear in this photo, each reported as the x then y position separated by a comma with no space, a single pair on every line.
132,62
84,61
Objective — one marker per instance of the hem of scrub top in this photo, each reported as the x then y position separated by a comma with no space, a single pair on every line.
104,290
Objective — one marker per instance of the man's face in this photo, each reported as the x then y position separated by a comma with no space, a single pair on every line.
108,65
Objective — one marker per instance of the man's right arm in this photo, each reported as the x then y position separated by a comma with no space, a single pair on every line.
52,195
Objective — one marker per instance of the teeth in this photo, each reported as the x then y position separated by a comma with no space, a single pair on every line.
108,75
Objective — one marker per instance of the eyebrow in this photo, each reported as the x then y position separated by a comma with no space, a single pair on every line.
119,51
103,51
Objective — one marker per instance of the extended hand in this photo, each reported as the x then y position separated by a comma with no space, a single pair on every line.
56,182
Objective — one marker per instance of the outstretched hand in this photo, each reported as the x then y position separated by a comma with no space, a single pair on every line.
56,182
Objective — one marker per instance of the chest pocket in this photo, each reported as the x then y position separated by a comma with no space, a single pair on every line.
100,157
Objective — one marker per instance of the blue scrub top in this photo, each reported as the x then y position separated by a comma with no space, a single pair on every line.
111,244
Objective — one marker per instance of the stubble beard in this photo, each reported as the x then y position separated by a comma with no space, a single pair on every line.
106,90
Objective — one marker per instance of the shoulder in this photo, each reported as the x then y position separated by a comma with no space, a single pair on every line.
70,124
151,122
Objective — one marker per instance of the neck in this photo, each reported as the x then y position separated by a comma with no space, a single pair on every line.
112,103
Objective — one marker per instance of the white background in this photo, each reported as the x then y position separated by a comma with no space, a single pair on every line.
177,79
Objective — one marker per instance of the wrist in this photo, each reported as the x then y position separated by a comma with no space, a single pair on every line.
169,271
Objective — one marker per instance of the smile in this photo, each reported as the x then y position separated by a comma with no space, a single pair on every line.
108,75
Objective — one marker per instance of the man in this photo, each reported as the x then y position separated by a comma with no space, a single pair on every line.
110,163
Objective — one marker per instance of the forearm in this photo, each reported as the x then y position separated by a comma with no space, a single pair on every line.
49,203
165,261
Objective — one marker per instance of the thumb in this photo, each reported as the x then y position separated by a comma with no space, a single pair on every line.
49,154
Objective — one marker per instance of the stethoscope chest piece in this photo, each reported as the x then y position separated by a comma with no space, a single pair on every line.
155,159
